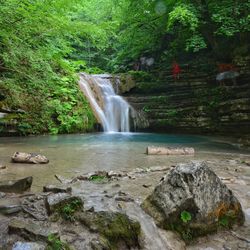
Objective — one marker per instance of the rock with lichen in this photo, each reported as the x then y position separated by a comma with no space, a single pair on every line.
192,200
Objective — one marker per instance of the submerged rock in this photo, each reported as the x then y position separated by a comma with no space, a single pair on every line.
20,157
118,229
152,150
16,186
192,200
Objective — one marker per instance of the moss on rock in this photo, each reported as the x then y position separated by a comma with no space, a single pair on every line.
116,227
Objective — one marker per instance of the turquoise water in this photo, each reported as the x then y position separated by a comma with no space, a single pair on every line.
71,155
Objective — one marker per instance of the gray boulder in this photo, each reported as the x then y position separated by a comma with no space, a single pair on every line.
192,200
16,186
20,157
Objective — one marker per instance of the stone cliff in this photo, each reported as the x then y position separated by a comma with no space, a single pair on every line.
196,102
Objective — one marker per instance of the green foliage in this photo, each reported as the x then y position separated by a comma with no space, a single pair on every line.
68,210
98,178
35,39
146,109
54,243
226,220
43,44
184,15
186,216
140,76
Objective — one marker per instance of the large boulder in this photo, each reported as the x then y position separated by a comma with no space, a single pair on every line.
192,200
20,157
16,186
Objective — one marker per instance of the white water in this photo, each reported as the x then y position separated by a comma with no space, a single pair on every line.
110,109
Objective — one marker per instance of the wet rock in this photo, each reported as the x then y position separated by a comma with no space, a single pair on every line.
98,173
16,186
116,174
56,189
54,202
192,200
146,185
152,150
30,230
138,171
117,228
121,196
158,168
35,208
4,224
10,206
83,177
20,157
28,246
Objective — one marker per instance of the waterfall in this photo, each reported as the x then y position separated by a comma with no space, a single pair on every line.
110,109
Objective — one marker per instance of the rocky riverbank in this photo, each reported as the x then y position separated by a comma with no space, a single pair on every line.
99,213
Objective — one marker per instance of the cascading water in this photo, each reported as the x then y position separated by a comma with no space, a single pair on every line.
110,109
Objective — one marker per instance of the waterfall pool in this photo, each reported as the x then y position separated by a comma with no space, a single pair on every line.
70,155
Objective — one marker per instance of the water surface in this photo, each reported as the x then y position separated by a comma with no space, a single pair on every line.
71,155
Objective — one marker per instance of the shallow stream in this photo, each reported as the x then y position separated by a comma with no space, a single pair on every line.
70,155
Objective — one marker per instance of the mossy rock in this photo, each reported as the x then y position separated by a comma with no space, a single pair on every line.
117,228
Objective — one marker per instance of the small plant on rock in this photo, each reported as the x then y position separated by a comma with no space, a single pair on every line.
54,243
185,216
67,211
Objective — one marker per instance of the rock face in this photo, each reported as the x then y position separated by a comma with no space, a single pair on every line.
16,186
152,150
195,103
192,200
20,157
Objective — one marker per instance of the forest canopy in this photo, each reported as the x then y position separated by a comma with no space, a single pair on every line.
44,43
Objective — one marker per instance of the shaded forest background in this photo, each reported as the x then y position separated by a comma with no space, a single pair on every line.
45,43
